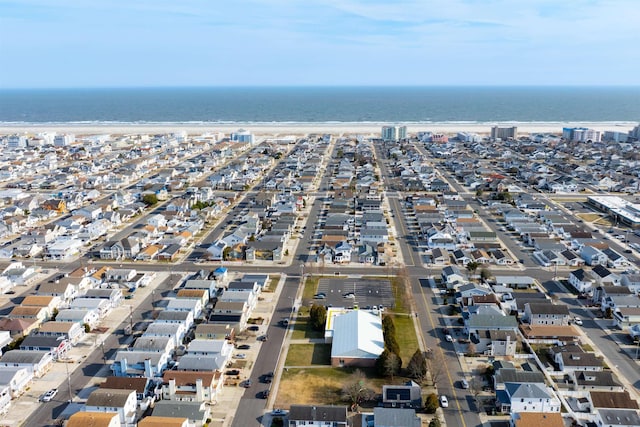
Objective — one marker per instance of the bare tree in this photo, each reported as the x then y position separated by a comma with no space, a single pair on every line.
475,387
436,366
356,389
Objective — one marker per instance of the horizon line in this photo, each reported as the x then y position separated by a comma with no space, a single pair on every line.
327,86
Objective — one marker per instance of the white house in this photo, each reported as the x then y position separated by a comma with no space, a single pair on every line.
14,381
123,402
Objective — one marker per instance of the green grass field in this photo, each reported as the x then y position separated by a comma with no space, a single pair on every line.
308,355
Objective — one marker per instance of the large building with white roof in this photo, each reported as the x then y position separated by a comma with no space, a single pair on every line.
357,338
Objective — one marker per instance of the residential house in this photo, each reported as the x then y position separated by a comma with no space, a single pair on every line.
191,386
580,280
527,397
573,358
405,395
14,381
122,402
69,331
595,380
94,419
452,276
196,412
36,362
546,313
317,416
79,315
138,363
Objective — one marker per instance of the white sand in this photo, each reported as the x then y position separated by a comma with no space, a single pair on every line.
303,128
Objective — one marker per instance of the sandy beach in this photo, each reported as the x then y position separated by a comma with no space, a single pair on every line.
281,129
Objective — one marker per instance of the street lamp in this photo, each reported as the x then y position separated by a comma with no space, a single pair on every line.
104,356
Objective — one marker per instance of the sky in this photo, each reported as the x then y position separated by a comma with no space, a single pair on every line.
157,43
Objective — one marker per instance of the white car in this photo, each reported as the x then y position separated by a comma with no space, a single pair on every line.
449,338
48,396
444,402
577,321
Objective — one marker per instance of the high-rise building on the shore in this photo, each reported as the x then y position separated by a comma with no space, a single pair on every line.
504,133
581,134
394,133
242,136
615,136
63,140
634,134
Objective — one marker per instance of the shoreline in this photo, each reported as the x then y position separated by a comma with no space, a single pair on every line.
198,128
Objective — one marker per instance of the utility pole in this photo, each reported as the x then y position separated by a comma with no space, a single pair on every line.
66,365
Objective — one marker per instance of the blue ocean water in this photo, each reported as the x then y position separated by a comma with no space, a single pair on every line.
322,104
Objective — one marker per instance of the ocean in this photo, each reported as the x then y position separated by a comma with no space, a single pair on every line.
320,105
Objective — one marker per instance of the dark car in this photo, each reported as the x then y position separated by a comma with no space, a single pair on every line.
233,372
243,347
253,328
264,394
246,383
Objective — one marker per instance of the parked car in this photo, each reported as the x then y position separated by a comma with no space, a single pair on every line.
444,402
264,394
243,347
263,338
464,383
350,295
246,383
49,395
449,338
577,321
320,295
233,372
253,328
240,356
278,412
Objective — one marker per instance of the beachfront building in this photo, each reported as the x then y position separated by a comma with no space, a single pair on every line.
242,136
504,133
581,134
394,133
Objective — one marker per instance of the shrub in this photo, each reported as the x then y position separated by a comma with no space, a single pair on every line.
431,403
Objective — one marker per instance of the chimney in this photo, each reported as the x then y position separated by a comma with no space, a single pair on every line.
172,388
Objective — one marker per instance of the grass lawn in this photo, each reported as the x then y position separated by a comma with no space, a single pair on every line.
273,283
310,286
308,354
589,217
406,336
302,329
321,386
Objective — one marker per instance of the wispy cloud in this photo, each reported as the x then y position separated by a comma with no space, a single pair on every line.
285,41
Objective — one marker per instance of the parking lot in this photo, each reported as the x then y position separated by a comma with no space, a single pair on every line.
366,293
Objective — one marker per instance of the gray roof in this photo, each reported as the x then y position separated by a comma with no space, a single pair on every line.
318,413
507,375
192,362
623,417
109,397
180,409
173,315
596,378
23,356
7,374
526,391
396,417
548,308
